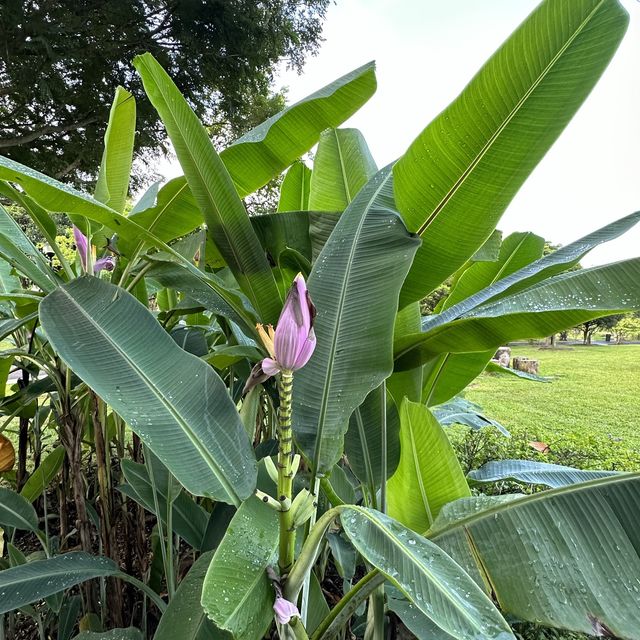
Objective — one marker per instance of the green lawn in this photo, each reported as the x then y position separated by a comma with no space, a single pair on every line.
589,415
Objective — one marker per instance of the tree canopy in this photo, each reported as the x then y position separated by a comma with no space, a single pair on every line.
61,61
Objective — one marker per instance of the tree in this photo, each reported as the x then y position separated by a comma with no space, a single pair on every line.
600,324
61,61
627,327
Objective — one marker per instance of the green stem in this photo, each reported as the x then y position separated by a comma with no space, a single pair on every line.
156,506
347,605
367,459
383,447
308,554
296,625
146,589
330,492
285,474
139,276
171,581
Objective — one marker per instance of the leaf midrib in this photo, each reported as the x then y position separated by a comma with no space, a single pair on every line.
334,341
160,397
425,569
503,125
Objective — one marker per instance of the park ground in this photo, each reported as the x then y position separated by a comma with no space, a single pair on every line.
588,414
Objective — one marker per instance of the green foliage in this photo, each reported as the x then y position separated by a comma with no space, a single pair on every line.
137,378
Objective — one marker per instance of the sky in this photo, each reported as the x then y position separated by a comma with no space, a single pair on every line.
425,53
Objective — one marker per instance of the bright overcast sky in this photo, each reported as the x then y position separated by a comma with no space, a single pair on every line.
427,50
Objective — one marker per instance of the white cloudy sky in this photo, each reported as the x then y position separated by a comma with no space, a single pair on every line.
426,51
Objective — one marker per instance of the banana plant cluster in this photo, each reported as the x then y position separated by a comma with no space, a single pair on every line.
271,456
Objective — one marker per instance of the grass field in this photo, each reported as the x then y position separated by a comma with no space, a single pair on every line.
589,415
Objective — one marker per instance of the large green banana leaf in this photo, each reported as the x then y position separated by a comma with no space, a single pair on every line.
354,285
429,578
112,186
39,579
459,175
174,401
271,147
213,189
541,310
448,374
185,618
267,150
237,594
516,252
56,196
566,558
553,264
428,474
294,190
342,166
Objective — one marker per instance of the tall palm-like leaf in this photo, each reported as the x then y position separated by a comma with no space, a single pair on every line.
271,147
294,191
459,175
213,190
174,401
428,474
342,166
360,269
113,178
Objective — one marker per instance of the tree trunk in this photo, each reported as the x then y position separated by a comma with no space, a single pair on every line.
23,438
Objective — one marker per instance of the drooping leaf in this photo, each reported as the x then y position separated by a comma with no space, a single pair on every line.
461,411
516,252
360,268
264,152
20,253
16,511
425,575
541,310
174,401
237,594
342,166
428,474
552,264
112,185
565,558
41,477
462,171
529,472
41,578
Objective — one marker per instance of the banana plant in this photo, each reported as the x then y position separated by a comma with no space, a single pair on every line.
288,398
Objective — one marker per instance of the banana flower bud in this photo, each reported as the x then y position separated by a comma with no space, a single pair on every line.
292,343
284,610
82,246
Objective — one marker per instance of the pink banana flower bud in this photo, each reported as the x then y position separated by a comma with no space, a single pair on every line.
292,343
284,610
82,246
